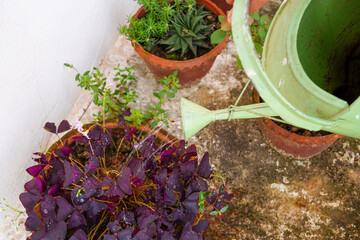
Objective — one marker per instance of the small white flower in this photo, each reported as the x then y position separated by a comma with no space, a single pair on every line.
110,82
78,126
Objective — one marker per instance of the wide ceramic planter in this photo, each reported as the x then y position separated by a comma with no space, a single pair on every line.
290,144
161,135
189,71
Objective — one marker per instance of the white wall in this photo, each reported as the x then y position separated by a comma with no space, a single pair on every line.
36,38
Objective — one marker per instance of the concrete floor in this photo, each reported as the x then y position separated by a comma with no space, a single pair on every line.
275,197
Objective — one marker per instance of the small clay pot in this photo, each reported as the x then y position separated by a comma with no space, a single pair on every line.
290,144
189,71
223,5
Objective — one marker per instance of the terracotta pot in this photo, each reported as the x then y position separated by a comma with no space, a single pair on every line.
189,71
290,144
223,5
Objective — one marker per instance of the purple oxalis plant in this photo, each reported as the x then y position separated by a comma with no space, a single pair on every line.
159,193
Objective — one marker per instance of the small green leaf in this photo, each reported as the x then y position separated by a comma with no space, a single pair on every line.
262,33
170,95
263,19
238,63
221,18
218,36
68,65
256,16
202,208
214,213
258,48
224,209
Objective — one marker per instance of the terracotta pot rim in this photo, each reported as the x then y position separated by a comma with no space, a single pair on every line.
215,51
309,140
161,134
300,138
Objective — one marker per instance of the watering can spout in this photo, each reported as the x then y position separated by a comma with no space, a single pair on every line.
195,117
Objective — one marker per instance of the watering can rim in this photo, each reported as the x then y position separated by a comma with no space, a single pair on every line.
255,71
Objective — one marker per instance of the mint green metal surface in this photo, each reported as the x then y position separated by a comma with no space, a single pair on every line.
195,117
304,61
282,80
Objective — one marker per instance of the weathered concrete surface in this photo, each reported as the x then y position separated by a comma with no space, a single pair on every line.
275,197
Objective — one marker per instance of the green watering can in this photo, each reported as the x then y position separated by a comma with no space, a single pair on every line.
310,70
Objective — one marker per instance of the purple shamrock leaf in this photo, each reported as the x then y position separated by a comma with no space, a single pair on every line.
33,222
53,191
174,181
110,237
66,151
105,139
137,167
65,208
35,170
95,208
72,174
38,235
205,169
198,184
181,148
76,219
29,200
78,197
219,204
49,222
169,197
58,232
106,182
164,228
114,190
81,139
211,197
36,186
95,133
225,195
113,226
129,132
40,158
93,164
161,176
121,120
191,203
188,169
146,221
50,127
187,233
125,234
47,206
63,126
79,235
201,226
95,149
127,217
123,181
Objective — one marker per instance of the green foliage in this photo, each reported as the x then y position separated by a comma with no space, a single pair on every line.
154,25
6,207
188,31
114,96
259,28
219,35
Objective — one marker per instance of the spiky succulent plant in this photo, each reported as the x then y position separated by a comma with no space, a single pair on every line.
188,31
